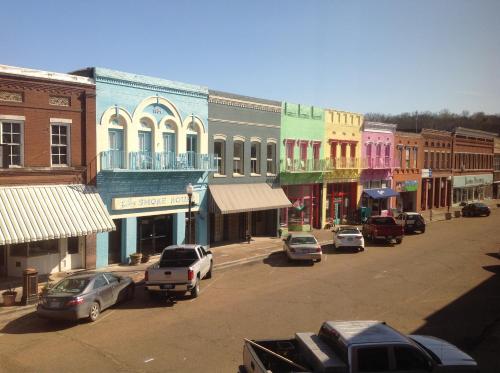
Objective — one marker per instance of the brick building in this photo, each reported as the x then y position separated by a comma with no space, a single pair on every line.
437,169
407,178
472,165
496,168
49,211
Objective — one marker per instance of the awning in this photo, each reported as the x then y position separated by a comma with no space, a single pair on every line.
378,193
232,198
44,212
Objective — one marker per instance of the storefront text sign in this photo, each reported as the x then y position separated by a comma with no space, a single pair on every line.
426,172
407,186
472,180
148,202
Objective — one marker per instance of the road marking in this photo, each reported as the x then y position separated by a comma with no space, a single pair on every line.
211,283
148,360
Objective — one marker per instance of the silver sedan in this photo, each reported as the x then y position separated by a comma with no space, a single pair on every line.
302,246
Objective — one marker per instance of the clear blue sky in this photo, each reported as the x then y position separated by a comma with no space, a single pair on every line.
387,56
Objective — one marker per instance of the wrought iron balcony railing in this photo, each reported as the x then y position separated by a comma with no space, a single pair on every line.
148,161
302,165
342,163
378,162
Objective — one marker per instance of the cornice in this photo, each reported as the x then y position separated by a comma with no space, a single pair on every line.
149,86
243,104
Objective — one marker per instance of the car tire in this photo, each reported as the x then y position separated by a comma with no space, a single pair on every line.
318,260
423,230
195,292
209,273
399,240
95,311
361,249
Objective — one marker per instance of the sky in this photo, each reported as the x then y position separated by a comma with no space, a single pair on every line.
383,56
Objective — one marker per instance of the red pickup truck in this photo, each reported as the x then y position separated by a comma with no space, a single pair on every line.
383,227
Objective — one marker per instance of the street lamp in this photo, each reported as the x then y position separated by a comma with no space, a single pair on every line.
189,192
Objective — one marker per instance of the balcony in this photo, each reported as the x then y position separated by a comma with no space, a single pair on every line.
118,160
378,163
342,163
302,165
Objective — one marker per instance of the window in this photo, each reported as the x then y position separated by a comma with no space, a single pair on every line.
373,359
35,248
415,157
60,144
426,159
448,160
303,155
400,156
220,156
255,158
100,282
73,245
407,158
271,158
12,136
432,160
111,278
408,358
238,157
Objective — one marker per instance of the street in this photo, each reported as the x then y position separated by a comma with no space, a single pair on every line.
445,283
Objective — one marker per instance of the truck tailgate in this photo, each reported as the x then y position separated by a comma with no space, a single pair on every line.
167,275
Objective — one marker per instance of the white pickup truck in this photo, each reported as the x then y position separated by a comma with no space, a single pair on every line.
180,269
355,347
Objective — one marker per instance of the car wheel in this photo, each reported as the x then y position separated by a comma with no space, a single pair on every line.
318,260
399,240
361,249
423,230
209,273
94,312
196,290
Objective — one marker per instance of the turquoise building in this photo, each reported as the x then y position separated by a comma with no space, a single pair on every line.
152,142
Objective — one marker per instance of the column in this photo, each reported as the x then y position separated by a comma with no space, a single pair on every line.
101,252
128,238
179,228
323,203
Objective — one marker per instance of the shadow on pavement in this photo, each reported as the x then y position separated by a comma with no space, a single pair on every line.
143,299
279,259
31,323
472,322
330,250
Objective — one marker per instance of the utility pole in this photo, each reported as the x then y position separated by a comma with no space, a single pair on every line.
416,121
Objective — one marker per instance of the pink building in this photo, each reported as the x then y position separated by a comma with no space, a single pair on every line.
377,150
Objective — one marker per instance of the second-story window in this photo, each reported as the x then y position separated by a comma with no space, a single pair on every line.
303,155
220,156
59,144
426,159
255,158
238,158
415,157
400,156
407,158
271,158
12,136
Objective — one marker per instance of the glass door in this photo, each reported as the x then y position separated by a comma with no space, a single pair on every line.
191,149
116,155
155,233
168,156
145,150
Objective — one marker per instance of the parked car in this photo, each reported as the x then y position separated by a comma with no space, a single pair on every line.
302,246
476,209
355,346
383,227
179,270
349,237
411,222
84,295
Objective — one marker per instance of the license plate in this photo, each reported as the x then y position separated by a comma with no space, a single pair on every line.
55,304
350,239
167,286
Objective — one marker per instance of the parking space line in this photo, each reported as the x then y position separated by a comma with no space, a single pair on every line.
211,283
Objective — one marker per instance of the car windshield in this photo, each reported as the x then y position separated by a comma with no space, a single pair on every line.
177,255
383,221
70,285
480,205
348,231
414,217
303,241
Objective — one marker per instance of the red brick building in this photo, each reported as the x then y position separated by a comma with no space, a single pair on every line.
407,178
437,169
49,212
472,165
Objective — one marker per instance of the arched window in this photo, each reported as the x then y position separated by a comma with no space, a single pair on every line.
255,158
169,138
192,138
238,157
144,159
271,158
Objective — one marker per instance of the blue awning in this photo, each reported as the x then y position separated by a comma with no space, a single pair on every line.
379,193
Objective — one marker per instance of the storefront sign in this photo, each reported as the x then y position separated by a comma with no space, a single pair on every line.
472,180
407,186
148,202
426,172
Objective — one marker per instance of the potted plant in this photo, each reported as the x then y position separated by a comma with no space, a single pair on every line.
9,297
135,258
145,258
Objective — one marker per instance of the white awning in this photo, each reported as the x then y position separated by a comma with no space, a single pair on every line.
44,212
232,198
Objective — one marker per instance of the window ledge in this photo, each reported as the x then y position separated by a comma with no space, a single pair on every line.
252,174
219,175
270,174
238,175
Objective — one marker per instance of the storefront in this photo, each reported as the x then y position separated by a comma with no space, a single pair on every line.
241,209
470,188
305,212
377,201
407,199
341,202
45,227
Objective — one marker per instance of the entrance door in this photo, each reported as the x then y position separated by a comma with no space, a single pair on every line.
168,150
115,244
155,233
191,149
3,260
116,156
145,150
337,205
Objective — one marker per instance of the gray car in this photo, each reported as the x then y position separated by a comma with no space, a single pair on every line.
302,246
84,295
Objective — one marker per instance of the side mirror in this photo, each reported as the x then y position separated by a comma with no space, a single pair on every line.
208,252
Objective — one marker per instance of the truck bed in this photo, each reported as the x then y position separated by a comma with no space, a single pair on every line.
285,347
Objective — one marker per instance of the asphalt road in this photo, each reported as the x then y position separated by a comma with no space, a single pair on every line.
445,282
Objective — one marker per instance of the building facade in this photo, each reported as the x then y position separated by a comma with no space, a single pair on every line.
152,142
496,169
377,152
245,197
302,165
407,178
342,154
50,211
472,165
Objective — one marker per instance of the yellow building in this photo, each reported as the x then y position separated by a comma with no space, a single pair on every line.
342,154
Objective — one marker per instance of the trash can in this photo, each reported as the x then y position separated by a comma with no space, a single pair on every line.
30,286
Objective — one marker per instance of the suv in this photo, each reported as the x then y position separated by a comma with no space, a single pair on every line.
411,222
476,209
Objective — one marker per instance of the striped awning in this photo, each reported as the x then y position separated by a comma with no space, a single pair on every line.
44,212
232,198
